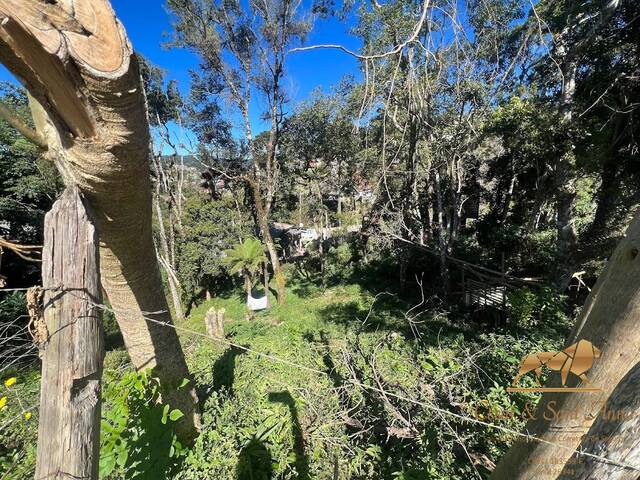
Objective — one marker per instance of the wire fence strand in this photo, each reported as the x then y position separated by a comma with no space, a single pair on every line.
429,406
274,358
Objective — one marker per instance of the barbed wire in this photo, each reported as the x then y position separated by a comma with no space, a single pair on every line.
284,361
379,390
24,289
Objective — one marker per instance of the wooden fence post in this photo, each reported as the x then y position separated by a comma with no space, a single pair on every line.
215,323
69,429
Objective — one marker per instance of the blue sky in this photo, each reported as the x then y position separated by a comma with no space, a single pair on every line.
149,26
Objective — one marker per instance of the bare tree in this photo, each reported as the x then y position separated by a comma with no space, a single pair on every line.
243,51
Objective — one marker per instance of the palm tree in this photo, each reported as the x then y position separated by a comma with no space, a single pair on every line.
246,257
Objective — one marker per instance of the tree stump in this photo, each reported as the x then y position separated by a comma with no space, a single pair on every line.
215,323
73,353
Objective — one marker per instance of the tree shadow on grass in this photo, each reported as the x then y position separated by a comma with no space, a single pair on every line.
306,286
383,313
255,462
302,462
223,374
388,313
224,370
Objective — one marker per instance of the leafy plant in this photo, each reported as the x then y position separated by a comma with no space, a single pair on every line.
246,257
136,436
542,307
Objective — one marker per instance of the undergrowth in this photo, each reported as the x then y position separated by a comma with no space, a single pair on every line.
266,419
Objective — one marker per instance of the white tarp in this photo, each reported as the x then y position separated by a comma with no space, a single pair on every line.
255,304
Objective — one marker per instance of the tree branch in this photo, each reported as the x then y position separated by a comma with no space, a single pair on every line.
396,49
25,130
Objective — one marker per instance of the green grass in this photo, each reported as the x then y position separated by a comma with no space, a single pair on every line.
256,403
269,419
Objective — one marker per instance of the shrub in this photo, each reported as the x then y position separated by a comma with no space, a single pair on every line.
19,393
136,436
542,307
339,262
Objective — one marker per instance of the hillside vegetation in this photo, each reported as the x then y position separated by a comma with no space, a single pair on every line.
266,415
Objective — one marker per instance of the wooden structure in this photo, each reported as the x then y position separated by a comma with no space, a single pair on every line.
73,353
89,110
483,287
483,294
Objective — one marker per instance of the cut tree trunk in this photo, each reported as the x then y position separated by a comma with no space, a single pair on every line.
614,435
72,357
76,61
609,321
215,323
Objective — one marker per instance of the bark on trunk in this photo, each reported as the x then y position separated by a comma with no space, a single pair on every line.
566,242
506,205
440,232
248,284
266,279
565,184
569,54
263,224
69,428
76,61
214,322
609,321
598,235
614,435
409,198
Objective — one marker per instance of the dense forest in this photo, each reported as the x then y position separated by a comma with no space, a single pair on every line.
424,271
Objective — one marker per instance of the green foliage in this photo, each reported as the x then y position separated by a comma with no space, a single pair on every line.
253,422
540,307
522,307
317,157
267,419
18,418
28,186
435,133
245,257
12,306
163,103
340,262
237,47
209,227
136,435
